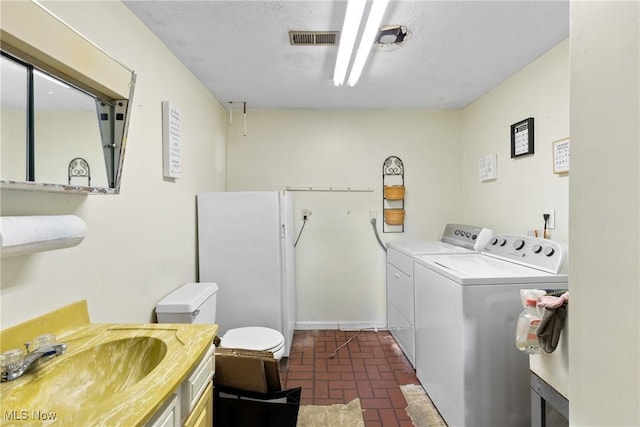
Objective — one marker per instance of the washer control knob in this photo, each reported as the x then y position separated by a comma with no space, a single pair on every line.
549,251
518,244
502,242
494,241
537,248
474,237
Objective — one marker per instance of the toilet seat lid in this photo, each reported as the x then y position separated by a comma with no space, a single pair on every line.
253,338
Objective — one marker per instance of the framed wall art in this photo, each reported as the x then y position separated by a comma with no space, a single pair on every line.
522,138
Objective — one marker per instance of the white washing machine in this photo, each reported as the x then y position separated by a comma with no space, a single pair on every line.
455,239
466,312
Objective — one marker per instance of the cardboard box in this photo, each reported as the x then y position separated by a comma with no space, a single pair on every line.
248,391
239,408
250,370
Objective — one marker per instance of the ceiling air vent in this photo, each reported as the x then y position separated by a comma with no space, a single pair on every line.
313,38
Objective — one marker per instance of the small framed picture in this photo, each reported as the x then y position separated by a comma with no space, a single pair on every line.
561,156
522,138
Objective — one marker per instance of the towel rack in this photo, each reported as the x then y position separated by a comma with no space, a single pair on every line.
337,189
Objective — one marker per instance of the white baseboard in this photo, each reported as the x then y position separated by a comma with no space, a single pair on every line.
342,326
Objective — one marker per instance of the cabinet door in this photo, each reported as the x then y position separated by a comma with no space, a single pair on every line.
169,415
400,310
202,414
197,382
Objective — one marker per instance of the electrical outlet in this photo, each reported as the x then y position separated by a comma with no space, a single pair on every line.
373,215
551,223
306,213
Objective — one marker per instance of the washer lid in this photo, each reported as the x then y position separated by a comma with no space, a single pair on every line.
479,269
252,338
413,248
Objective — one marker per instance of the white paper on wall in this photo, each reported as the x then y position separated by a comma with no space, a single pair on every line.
171,141
488,167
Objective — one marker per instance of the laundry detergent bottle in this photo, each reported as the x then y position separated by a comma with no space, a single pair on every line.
528,322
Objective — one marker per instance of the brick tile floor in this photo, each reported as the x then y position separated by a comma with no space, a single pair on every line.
371,367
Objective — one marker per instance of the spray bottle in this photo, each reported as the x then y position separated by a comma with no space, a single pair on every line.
528,322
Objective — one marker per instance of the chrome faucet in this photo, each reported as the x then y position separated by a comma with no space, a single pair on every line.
15,363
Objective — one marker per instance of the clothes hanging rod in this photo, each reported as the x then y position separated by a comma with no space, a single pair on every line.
336,189
244,114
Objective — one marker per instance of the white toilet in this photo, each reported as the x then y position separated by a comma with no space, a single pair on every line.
196,303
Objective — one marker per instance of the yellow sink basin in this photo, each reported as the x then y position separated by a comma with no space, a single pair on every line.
71,383
110,375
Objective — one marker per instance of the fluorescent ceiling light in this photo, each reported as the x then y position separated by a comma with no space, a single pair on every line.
370,32
347,39
51,79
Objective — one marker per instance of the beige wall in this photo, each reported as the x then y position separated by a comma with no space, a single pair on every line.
340,267
12,145
525,186
140,244
605,215
62,136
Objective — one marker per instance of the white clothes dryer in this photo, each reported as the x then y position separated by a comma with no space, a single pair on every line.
455,239
466,313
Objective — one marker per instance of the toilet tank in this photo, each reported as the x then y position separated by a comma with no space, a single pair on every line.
191,303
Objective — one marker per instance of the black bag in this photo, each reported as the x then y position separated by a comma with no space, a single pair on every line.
241,408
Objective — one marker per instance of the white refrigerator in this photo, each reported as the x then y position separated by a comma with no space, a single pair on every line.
245,245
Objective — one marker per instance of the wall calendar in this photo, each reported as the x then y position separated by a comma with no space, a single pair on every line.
561,156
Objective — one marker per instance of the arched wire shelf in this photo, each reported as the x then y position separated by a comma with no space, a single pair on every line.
393,166
79,168
393,195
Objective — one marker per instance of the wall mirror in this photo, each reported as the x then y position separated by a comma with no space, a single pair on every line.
63,121
43,131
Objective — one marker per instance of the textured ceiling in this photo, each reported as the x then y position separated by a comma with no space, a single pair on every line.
456,51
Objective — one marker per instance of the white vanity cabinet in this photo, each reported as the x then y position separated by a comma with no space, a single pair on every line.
400,301
191,405
168,415
202,413
197,393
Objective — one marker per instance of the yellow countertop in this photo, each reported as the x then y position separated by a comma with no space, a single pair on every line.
110,375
